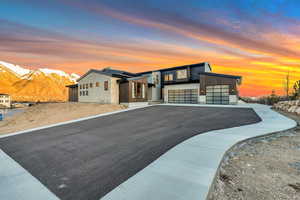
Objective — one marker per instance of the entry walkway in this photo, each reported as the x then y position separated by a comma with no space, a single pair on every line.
187,170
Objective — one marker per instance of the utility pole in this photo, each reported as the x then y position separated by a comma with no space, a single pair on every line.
287,85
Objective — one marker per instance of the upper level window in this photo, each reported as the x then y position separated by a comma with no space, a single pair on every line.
168,77
80,86
97,84
181,74
105,85
83,86
91,85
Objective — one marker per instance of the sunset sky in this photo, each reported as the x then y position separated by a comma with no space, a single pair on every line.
257,39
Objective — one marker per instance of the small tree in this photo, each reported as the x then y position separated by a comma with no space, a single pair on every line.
297,89
273,98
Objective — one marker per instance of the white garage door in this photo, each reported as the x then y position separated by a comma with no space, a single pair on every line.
217,94
183,96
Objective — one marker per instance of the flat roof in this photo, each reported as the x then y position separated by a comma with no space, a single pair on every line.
221,75
177,67
72,86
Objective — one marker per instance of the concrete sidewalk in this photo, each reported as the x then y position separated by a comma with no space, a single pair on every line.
187,170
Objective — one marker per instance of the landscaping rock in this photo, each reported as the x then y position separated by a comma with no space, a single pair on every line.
288,106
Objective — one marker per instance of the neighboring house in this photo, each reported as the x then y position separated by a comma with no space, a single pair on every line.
190,84
5,100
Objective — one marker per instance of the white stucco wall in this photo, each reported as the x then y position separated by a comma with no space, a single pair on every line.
179,86
202,99
207,68
98,94
114,91
156,91
233,99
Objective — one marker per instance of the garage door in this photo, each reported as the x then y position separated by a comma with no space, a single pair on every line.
183,96
217,94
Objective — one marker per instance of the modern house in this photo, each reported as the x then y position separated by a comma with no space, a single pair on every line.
191,84
5,100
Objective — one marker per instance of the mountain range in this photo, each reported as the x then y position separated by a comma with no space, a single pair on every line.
34,85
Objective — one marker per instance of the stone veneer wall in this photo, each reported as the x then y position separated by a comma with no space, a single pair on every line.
289,106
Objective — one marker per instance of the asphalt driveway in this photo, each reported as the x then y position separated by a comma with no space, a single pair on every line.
87,159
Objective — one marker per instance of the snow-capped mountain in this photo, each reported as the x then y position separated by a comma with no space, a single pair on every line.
19,71
34,85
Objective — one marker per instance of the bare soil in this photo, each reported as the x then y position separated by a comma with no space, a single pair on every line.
265,168
51,113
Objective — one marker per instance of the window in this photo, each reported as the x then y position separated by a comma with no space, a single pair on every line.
138,90
6,101
83,86
83,93
80,86
143,91
168,77
97,84
105,85
80,93
87,93
133,90
87,86
181,74
91,85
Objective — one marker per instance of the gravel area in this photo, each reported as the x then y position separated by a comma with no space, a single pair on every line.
51,113
265,168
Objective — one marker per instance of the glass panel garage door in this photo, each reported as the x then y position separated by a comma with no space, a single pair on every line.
183,96
217,94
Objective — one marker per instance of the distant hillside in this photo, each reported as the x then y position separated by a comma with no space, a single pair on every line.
34,85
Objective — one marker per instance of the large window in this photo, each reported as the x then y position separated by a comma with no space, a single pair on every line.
168,77
181,74
97,84
138,90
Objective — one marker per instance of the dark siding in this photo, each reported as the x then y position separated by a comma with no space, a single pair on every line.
193,74
206,80
124,92
73,94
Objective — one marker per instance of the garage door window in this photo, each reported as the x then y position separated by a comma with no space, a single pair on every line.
217,94
183,96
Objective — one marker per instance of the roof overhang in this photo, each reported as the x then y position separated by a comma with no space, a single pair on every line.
237,78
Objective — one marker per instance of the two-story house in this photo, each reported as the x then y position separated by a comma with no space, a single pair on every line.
190,84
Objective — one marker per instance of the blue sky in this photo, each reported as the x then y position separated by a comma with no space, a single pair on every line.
258,39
